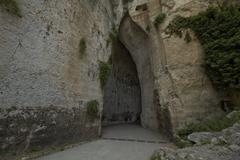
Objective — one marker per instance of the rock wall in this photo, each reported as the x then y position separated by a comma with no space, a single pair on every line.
49,68
45,79
222,145
181,90
184,62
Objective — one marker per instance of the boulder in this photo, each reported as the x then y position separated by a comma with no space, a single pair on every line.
232,134
201,137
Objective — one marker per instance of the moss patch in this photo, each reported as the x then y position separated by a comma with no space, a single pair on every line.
92,108
11,6
104,72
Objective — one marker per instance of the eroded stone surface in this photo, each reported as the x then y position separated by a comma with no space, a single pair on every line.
181,91
185,65
202,137
43,74
29,127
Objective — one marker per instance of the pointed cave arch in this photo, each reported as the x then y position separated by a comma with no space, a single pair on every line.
138,44
122,93
135,47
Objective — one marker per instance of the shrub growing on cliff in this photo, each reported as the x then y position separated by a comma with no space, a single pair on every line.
105,70
114,34
82,47
219,33
92,108
11,6
159,19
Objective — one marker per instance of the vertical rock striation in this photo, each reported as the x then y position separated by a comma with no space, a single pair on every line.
45,81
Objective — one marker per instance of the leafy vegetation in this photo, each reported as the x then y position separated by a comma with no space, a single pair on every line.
11,6
212,125
82,47
219,33
114,34
159,19
105,70
92,108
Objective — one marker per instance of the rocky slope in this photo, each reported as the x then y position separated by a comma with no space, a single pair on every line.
224,145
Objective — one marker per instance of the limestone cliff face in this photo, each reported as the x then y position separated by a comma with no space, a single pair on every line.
184,62
40,60
46,81
181,88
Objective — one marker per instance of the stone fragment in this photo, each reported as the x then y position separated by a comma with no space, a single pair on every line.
201,137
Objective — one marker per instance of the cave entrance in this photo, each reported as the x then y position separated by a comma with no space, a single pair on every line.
122,93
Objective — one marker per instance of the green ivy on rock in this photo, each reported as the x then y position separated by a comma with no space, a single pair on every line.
159,19
219,33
